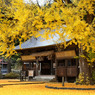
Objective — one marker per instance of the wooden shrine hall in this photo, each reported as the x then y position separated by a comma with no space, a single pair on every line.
44,58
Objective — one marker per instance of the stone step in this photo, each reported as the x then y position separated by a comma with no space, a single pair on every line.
44,77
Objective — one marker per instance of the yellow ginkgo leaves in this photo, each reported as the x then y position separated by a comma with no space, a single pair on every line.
25,20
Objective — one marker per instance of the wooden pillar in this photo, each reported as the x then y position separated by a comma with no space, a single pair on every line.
77,62
66,65
77,66
32,65
51,66
37,62
23,66
56,69
29,66
40,68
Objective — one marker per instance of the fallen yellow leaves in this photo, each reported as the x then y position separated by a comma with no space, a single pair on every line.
39,89
70,85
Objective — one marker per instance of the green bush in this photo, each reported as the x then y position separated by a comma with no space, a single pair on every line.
0,76
53,80
11,75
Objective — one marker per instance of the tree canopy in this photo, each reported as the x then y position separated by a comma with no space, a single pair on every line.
70,20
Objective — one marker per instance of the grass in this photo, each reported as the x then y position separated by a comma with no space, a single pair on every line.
39,89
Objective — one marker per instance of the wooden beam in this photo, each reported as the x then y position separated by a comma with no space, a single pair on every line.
65,54
28,58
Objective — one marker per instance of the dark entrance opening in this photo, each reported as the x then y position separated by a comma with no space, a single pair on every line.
59,79
46,67
71,79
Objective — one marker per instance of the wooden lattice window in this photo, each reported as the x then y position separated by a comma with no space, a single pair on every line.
71,62
61,62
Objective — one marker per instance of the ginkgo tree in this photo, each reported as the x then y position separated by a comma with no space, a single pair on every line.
70,19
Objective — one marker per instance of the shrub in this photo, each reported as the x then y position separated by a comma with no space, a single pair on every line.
93,75
11,75
53,80
81,80
0,76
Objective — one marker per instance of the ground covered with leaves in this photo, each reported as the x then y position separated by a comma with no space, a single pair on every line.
38,88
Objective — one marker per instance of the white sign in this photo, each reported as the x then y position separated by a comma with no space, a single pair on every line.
30,73
26,62
54,65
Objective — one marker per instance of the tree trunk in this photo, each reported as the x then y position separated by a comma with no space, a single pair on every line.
90,75
66,1
9,65
85,69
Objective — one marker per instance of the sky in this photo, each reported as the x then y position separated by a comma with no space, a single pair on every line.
41,2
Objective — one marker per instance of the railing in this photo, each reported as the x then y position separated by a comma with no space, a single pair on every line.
70,71
23,75
61,71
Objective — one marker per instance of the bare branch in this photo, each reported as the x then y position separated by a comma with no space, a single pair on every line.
38,3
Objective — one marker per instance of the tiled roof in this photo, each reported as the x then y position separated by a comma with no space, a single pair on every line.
38,42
